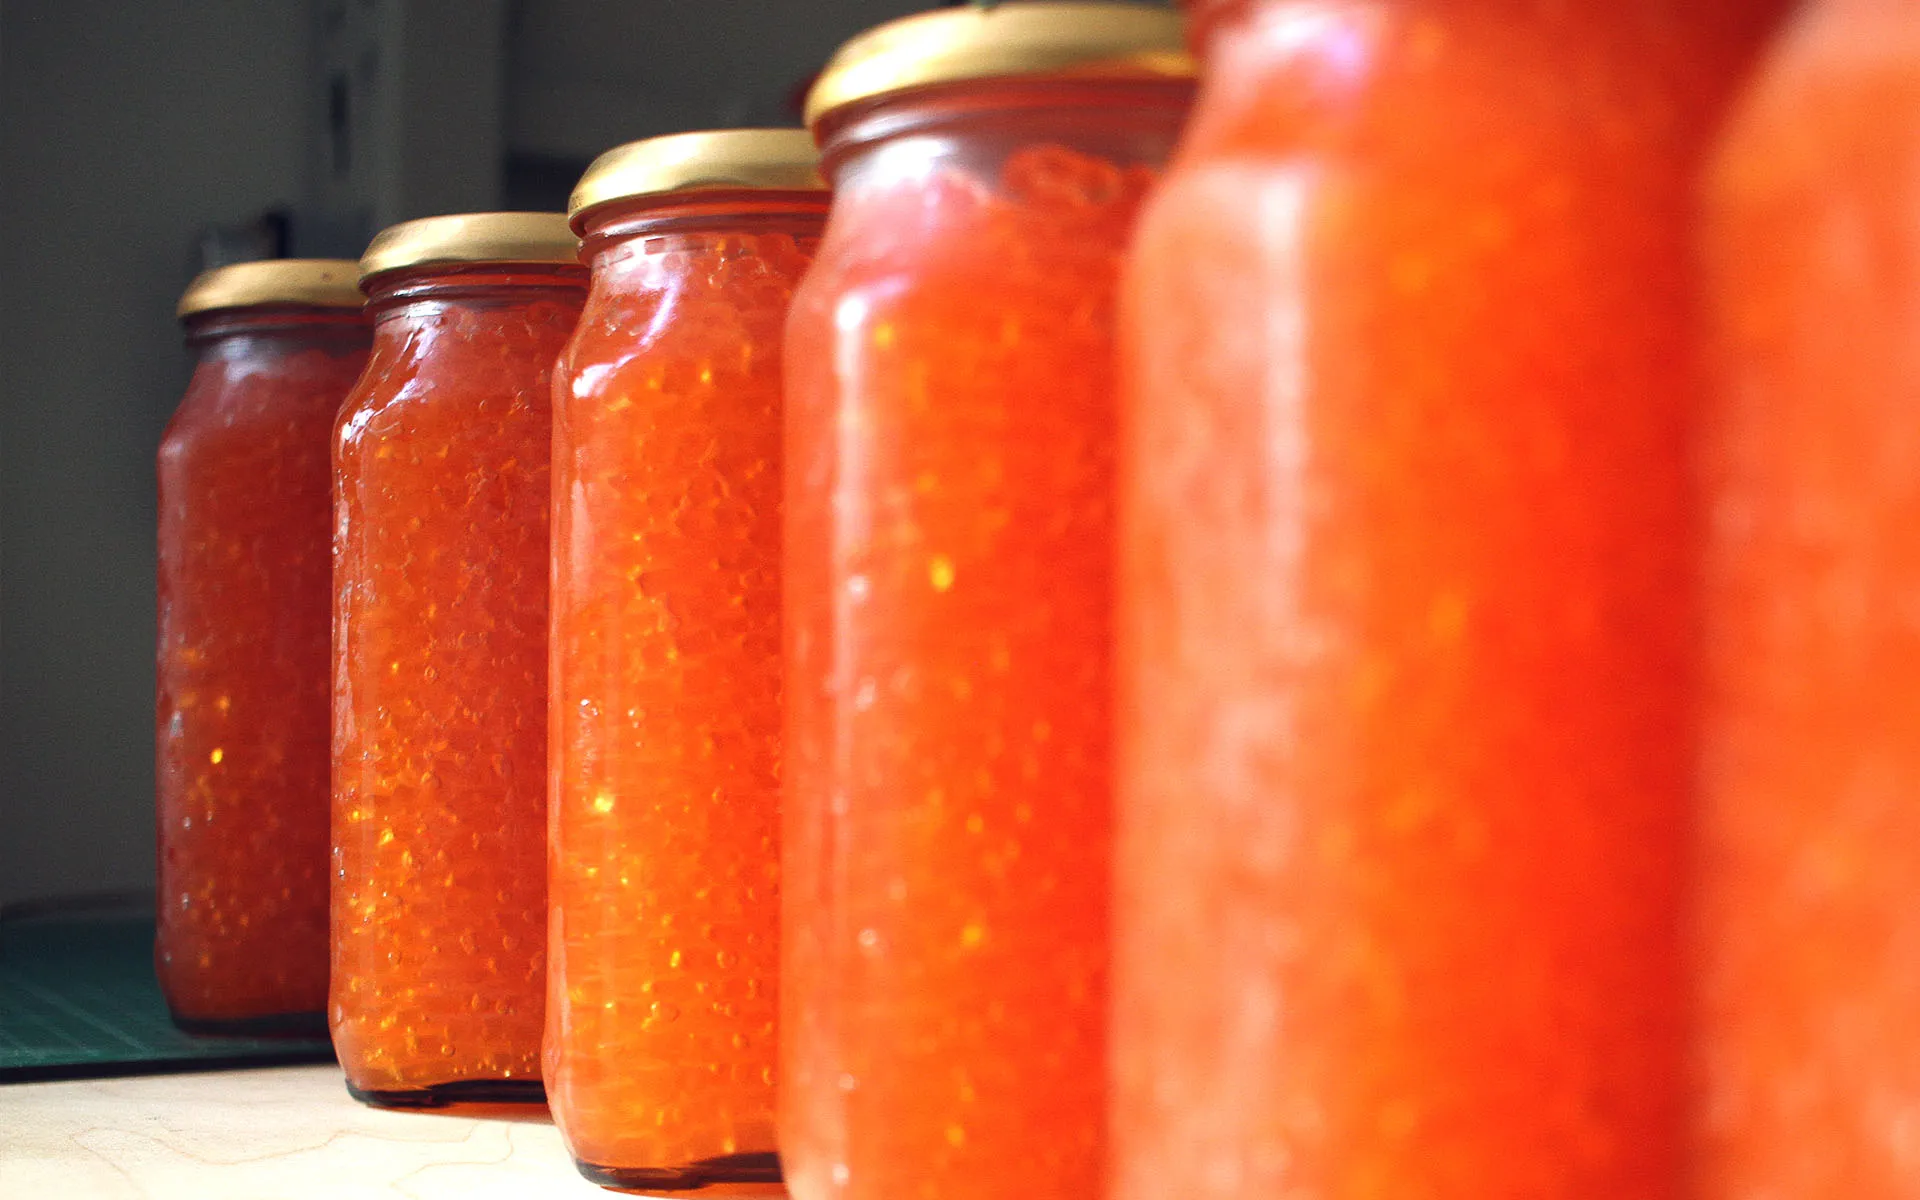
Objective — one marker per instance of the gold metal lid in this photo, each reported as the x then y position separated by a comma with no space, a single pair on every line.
307,282
503,237
750,159
1021,37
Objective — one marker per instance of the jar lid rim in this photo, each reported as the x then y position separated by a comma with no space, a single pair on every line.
704,160
302,282
532,238
1077,39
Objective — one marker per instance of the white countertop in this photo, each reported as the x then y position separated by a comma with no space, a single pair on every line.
277,1133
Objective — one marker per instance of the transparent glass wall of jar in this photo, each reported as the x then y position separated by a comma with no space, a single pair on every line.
1407,616
951,423
440,660
241,703
664,941
1809,993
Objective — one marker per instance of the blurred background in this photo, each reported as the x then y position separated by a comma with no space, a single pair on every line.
142,141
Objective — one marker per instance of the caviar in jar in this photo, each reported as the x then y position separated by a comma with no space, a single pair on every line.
1809,978
440,660
1407,610
664,940
242,696
951,410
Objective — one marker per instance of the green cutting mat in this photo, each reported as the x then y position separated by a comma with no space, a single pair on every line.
78,998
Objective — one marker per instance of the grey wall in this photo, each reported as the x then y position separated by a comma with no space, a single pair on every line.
586,75
422,86
123,128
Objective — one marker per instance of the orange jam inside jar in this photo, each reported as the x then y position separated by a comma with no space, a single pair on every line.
663,879
1407,615
440,660
951,406
241,714
1809,925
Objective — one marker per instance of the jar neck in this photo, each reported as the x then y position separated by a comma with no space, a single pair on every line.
979,122
615,228
499,283
210,332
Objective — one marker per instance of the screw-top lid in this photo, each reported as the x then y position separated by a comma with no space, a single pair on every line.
503,237
303,282
1023,37
717,159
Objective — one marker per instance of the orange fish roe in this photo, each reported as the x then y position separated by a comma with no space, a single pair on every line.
664,876
949,542
1810,923
440,653
1406,617
242,668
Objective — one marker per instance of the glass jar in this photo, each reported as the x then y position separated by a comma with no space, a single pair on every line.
241,713
440,660
951,406
1406,605
1809,998
664,816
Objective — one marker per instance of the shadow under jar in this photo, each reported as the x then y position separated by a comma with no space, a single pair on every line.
663,944
440,660
951,425
241,714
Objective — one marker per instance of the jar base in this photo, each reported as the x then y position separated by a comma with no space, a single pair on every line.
273,1025
730,1174
462,1091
